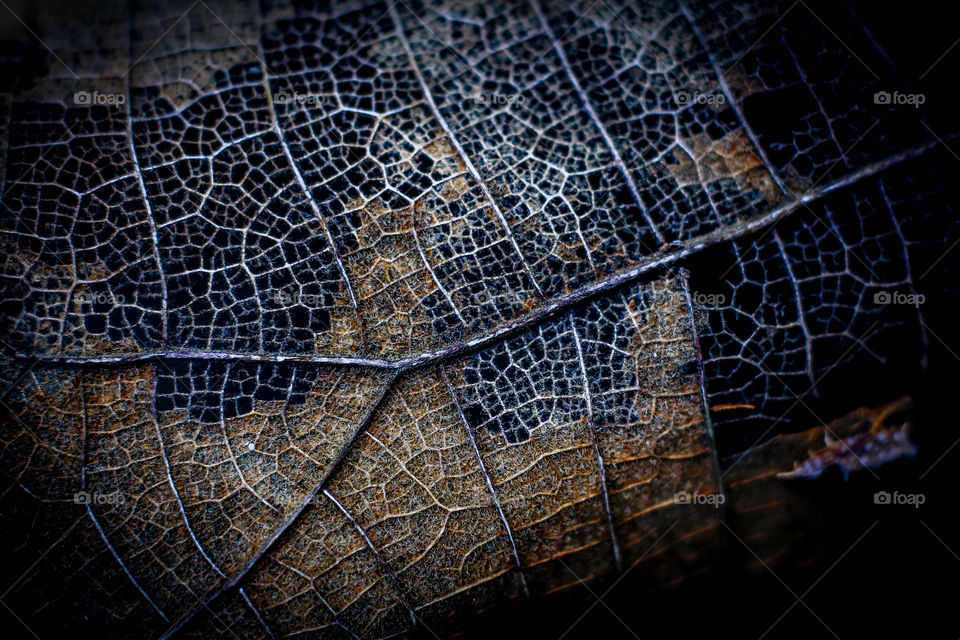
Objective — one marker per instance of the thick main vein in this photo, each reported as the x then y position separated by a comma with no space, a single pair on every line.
671,255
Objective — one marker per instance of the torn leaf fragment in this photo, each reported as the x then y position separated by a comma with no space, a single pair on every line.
879,445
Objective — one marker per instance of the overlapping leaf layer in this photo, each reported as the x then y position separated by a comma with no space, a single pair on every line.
343,320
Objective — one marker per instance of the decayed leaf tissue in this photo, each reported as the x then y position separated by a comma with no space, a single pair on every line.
446,318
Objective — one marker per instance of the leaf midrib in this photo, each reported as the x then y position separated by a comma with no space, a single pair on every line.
671,255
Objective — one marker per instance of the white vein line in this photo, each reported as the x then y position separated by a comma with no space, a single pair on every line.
426,263
292,518
908,268
123,565
592,428
671,255
809,85
428,95
486,477
704,398
173,486
150,219
227,356
588,106
303,185
801,316
93,517
256,612
236,466
731,99
84,435
376,554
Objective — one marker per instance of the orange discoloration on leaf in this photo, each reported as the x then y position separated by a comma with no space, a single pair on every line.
766,509
473,214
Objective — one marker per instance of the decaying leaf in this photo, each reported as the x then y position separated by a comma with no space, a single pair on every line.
878,445
350,320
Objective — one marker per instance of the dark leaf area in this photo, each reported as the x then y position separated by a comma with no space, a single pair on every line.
435,319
